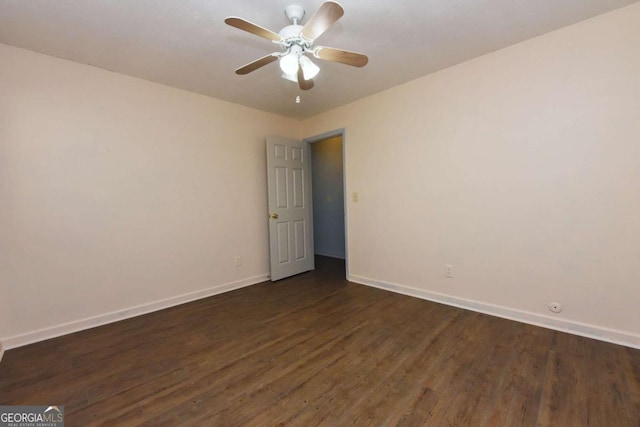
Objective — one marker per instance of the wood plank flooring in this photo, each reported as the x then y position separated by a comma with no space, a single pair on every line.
317,350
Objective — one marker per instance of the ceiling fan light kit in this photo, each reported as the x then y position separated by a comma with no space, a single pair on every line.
290,62
290,77
309,69
296,42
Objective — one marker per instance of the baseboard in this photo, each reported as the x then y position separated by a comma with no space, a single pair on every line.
115,316
572,327
330,254
1,351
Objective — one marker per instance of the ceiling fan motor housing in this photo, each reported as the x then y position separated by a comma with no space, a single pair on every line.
291,32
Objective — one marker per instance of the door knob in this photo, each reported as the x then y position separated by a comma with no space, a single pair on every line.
274,216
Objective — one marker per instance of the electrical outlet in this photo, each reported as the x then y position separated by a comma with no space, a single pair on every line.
238,261
555,307
448,271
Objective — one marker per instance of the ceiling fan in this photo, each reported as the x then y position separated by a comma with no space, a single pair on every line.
296,41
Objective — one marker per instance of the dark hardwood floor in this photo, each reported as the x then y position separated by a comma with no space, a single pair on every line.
317,350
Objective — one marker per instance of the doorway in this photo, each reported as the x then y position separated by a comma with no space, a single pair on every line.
328,194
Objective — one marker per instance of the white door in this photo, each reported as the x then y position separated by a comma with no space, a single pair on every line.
290,228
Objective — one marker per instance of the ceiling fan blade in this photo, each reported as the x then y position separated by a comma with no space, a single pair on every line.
324,17
252,28
252,66
304,84
342,56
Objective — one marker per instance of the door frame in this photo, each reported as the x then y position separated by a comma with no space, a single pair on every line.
321,137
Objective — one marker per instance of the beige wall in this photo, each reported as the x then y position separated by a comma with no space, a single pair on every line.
116,192
520,168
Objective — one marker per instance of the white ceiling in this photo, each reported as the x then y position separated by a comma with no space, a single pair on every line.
185,43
